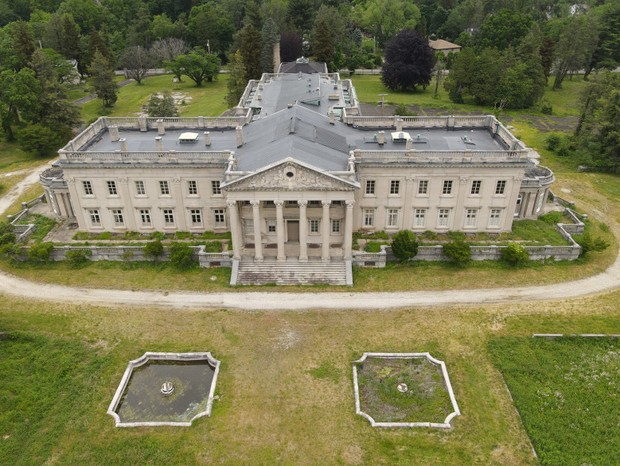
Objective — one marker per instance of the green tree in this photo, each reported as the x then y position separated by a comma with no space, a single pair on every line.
41,140
606,55
327,34
408,62
210,27
63,35
269,37
6,233
236,80
77,258
589,244
103,82
23,42
404,245
198,65
250,48
20,94
383,19
162,105
575,46
503,29
301,14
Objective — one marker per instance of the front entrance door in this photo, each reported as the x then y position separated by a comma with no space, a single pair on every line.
292,231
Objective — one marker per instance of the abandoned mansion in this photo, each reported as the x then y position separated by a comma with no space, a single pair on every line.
295,170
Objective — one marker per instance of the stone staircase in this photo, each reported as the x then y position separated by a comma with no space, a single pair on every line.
248,272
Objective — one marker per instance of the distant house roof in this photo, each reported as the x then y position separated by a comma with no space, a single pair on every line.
443,45
303,65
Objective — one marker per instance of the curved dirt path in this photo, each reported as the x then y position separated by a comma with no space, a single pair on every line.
11,285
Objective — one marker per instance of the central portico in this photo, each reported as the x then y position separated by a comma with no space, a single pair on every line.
291,211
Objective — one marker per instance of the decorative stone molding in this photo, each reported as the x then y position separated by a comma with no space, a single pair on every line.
444,425
178,357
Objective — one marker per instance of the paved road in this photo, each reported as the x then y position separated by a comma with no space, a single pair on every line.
11,285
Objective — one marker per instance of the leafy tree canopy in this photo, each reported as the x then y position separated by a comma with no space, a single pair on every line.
408,61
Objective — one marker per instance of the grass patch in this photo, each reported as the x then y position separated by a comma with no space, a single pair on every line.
207,100
327,371
42,223
424,399
567,392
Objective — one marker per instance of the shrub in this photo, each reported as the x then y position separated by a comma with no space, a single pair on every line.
553,141
213,246
515,254
404,245
127,255
81,236
459,252
552,218
182,235
157,235
181,256
78,257
154,249
372,246
430,235
6,233
456,236
40,252
546,108
590,244
402,110
10,251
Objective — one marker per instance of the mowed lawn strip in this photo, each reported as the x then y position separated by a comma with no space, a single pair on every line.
567,391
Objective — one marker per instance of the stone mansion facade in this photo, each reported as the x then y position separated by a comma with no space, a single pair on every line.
294,171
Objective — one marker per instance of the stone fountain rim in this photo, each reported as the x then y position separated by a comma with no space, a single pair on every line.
160,356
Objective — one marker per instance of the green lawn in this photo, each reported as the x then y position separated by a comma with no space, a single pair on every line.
567,392
207,100
285,385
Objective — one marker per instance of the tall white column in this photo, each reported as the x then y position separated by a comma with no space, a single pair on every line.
348,230
235,228
258,245
303,232
325,231
280,229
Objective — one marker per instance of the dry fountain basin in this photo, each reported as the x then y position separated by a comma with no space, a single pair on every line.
165,389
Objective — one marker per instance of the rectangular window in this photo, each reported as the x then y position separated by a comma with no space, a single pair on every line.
112,188
419,219
443,216
95,218
164,188
220,217
494,217
117,215
271,226
192,188
196,217
168,217
88,188
392,217
370,187
215,188
335,226
470,217
314,203
140,189
423,187
145,217
315,225
447,187
500,187
475,186
394,187
368,217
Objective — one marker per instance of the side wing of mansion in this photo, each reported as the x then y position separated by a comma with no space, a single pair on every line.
295,171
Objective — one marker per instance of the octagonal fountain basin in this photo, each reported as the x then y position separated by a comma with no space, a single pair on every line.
165,389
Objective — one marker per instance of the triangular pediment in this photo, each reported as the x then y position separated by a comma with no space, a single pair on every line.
290,175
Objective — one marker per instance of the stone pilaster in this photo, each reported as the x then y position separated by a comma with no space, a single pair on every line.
280,229
303,231
235,228
258,245
348,231
325,231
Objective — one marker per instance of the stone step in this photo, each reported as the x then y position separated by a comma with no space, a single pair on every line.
291,273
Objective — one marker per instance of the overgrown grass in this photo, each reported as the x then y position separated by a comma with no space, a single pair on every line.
42,224
207,100
566,391
276,405
425,398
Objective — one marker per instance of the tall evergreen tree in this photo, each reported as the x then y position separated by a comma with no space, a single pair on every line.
250,48
236,80
270,37
103,83
326,34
